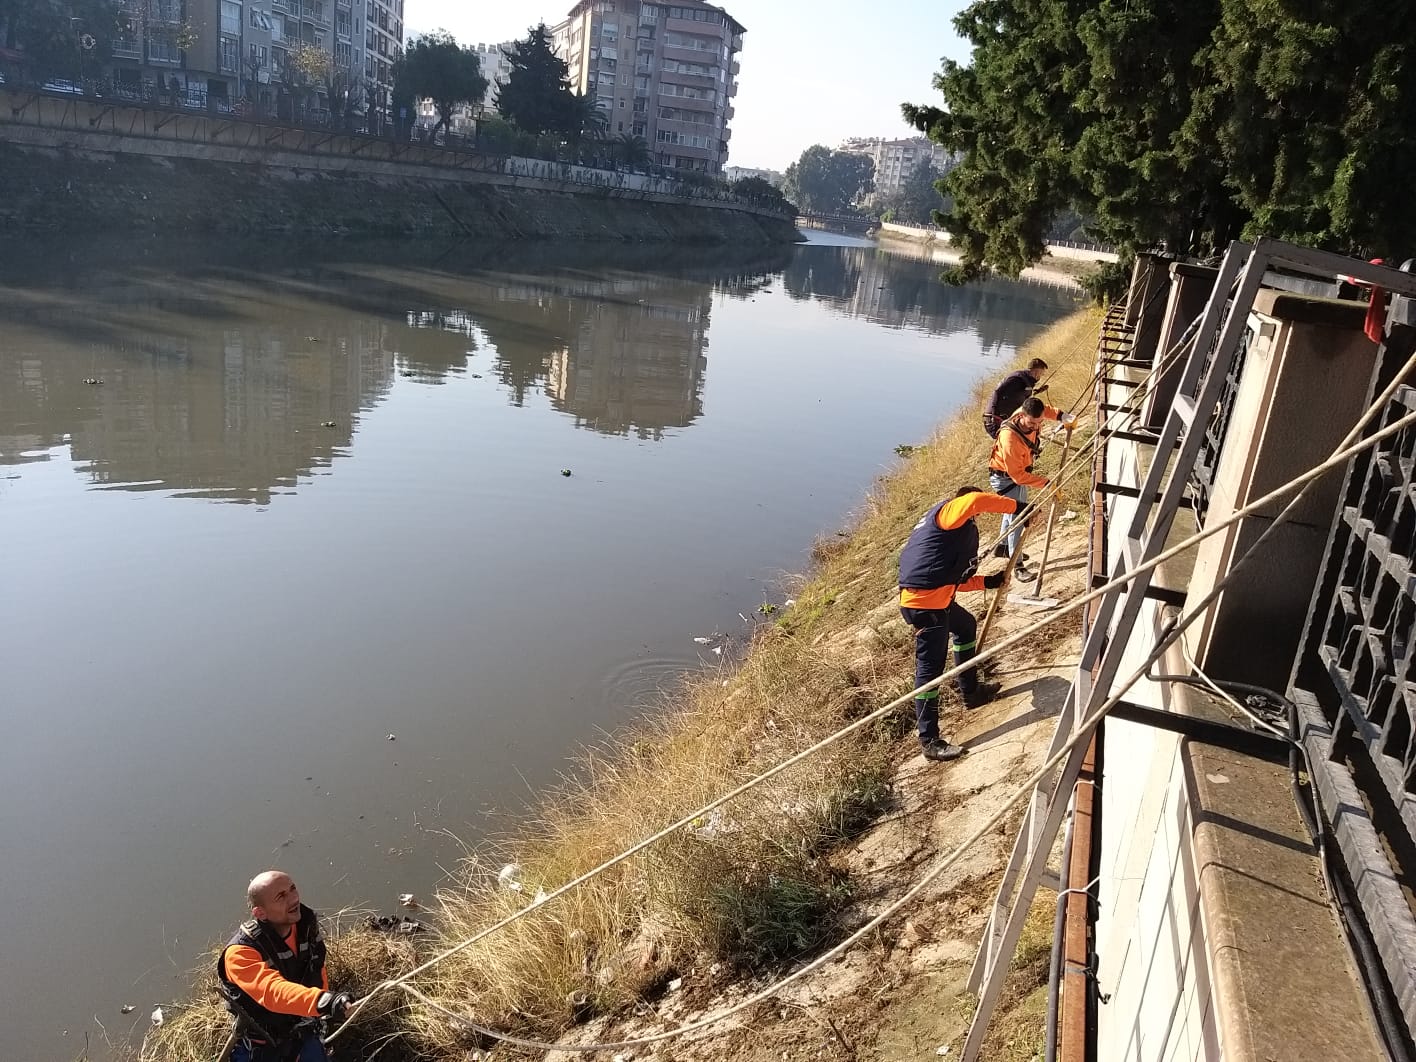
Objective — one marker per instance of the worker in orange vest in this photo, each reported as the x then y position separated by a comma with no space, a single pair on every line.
1010,468
272,977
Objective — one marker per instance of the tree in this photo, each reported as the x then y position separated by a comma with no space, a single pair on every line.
918,199
631,150
823,181
536,95
304,72
63,39
756,190
347,92
1183,125
434,67
583,119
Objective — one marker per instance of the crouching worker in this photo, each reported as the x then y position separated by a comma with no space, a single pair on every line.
272,975
938,561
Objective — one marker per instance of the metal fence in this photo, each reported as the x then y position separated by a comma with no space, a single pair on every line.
1202,476
1353,685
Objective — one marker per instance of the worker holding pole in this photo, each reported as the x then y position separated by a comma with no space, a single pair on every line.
939,560
1010,468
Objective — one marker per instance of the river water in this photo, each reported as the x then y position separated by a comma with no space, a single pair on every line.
299,581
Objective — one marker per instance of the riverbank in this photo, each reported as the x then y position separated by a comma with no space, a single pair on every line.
68,185
783,872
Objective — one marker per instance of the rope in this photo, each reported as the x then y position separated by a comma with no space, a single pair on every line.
746,786
1296,484
1082,733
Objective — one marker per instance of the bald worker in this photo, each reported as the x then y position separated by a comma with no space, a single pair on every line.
272,975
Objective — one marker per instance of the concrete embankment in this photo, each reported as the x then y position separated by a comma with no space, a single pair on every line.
77,166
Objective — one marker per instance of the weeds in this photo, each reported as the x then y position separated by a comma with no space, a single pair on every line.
750,887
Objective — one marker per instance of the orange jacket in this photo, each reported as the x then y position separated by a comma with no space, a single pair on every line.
953,515
1015,450
249,972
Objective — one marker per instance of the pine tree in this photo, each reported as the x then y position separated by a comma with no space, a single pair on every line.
536,95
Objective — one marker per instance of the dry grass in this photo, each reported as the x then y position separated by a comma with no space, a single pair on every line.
747,890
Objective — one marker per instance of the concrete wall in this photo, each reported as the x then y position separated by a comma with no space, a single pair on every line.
1071,251
1150,942
1304,382
73,165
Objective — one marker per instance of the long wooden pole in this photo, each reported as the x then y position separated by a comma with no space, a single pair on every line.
998,594
1051,521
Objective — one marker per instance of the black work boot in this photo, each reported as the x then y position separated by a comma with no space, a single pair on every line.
980,694
942,751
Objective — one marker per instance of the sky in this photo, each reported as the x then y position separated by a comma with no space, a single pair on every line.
813,71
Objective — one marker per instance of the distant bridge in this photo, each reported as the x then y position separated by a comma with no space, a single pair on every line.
839,222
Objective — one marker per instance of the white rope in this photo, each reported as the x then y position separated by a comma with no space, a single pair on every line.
1297,484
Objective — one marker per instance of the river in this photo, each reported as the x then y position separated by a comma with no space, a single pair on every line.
293,574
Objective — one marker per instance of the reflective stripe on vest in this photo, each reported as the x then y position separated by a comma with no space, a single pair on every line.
305,969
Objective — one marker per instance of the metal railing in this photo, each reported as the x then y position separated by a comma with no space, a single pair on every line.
1206,467
1353,685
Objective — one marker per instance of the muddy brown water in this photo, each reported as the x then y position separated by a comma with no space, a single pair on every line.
315,498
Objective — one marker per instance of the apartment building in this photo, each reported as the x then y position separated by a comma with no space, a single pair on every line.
666,72
220,51
896,160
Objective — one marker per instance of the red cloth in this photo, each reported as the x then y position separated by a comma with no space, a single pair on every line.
1376,311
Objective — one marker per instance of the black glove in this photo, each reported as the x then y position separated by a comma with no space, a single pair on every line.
334,1005
993,582
1039,389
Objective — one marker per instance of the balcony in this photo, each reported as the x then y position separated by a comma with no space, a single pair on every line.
127,48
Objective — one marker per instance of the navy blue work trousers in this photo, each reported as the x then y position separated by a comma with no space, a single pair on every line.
933,627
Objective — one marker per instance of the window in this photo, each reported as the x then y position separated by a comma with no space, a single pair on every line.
648,13
231,17
260,20
230,54
257,56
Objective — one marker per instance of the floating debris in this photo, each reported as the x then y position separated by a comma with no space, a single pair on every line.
400,924
127,1008
157,1018
906,450
766,608
407,372
703,641
1068,515
718,650
312,339
675,984
393,737
92,380
510,877
476,376
565,471
327,424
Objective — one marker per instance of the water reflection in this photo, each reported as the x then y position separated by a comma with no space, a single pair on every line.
233,374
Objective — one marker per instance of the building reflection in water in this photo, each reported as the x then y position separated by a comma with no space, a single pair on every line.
235,377
902,289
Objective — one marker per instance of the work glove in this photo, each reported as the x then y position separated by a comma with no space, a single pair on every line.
1069,420
334,1005
993,582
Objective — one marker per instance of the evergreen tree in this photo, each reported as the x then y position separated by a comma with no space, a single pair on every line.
1178,124
433,67
536,95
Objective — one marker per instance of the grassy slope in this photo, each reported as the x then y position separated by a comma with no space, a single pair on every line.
752,887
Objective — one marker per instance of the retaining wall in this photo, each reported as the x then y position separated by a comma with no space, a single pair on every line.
78,166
